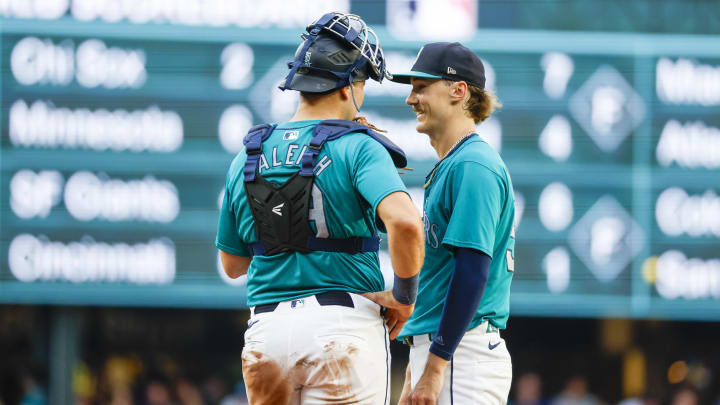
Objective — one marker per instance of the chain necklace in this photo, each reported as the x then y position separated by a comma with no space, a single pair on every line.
455,145
459,141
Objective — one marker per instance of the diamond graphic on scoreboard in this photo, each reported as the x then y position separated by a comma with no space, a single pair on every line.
606,239
607,108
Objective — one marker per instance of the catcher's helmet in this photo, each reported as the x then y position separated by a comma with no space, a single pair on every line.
338,49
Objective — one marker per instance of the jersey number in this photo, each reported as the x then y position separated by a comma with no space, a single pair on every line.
317,213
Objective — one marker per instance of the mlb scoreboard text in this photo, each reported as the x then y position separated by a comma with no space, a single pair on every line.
116,137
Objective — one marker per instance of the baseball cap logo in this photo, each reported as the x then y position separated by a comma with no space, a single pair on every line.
451,71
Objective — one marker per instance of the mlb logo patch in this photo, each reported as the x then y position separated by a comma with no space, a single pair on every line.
297,303
291,135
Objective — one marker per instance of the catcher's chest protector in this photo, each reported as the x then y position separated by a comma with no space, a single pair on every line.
281,213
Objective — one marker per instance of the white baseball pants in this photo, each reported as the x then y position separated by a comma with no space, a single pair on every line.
305,353
480,371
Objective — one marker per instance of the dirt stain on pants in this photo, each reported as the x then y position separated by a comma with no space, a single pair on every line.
265,380
333,378
327,377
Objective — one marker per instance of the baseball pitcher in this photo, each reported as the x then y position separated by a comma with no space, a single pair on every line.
456,353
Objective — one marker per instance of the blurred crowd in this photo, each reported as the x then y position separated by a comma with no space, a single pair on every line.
528,390
124,381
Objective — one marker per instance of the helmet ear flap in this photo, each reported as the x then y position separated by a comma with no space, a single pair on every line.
363,72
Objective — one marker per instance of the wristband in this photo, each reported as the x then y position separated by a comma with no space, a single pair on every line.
405,289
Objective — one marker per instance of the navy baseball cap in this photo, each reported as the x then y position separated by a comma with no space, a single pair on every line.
446,60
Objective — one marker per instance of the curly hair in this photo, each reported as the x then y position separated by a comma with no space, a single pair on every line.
480,104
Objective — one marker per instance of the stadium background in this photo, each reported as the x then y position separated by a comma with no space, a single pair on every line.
119,119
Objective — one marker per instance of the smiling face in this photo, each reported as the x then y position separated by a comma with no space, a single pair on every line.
430,100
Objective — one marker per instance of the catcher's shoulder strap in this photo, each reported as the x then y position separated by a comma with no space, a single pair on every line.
325,131
329,130
281,213
253,148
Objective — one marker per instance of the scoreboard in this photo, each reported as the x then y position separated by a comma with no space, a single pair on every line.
116,138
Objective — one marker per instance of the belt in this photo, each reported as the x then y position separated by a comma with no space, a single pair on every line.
340,298
429,337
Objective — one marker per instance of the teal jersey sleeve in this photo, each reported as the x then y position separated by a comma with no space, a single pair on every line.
476,195
375,174
228,240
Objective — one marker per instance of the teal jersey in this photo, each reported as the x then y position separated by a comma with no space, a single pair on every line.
352,175
469,203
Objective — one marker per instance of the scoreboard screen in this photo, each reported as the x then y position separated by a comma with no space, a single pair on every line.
116,138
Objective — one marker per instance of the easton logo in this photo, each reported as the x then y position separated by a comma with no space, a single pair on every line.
451,71
277,209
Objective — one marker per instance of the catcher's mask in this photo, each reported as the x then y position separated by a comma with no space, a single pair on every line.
337,50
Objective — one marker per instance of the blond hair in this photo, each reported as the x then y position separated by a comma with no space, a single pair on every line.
480,104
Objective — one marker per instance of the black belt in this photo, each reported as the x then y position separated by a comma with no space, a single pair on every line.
327,298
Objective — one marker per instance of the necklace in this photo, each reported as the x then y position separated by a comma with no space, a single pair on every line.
455,146
459,141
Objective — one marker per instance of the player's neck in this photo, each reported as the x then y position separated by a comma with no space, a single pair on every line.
452,133
319,109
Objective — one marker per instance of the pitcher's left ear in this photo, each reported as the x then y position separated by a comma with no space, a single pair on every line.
458,90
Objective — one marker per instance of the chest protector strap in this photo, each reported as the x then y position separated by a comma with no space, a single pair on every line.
281,212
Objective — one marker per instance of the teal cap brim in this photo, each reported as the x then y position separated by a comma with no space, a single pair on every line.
405,77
